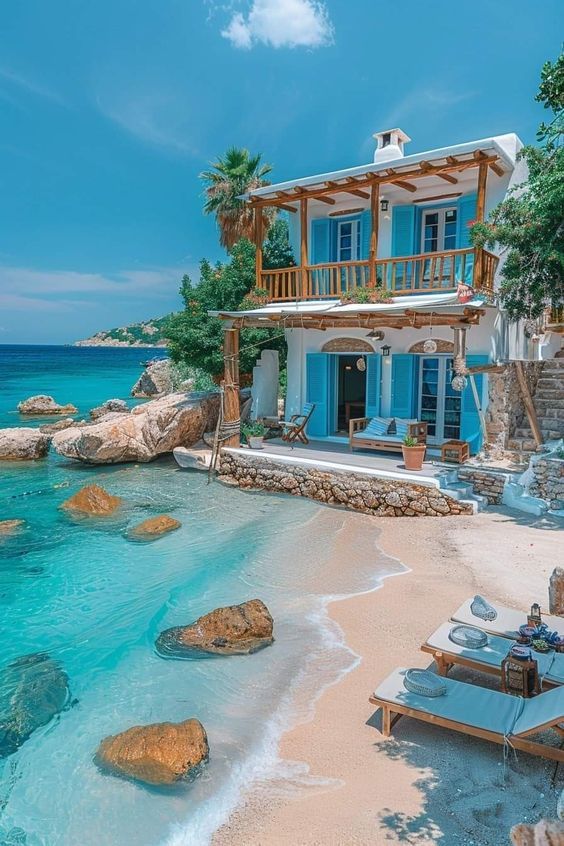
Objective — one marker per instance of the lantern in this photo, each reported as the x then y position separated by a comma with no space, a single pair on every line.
534,618
519,673
386,350
458,383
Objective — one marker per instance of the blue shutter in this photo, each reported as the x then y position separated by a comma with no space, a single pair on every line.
294,235
320,241
365,229
470,429
403,230
466,213
317,391
373,373
404,380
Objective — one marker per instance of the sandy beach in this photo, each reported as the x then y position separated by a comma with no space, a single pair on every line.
425,785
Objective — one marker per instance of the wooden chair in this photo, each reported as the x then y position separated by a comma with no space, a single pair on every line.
294,428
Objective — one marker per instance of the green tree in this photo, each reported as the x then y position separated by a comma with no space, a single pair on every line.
233,174
529,224
277,251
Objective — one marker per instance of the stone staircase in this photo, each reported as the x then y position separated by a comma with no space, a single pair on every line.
462,491
549,405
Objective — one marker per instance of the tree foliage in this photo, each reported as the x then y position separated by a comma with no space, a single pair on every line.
529,224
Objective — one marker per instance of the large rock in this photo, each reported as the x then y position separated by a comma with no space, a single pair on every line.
44,406
154,527
556,592
161,753
10,527
149,430
22,444
33,689
155,380
235,630
58,426
544,833
94,500
112,405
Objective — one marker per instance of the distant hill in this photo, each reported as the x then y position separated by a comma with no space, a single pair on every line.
151,333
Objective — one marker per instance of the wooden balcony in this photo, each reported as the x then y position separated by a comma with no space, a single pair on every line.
418,274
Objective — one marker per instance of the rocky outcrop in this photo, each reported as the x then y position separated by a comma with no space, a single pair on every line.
155,380
10,527
154,527
93,500
161,753
234,630
149,430
556,592
112,405
33,689
44,406
51,428
22,444
544,833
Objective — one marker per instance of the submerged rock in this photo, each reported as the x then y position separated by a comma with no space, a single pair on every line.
112,405
154,527
44,405
149,430
156,380
234,630
22,444
544,833
10,527
93,499
33,689
161,753
51,428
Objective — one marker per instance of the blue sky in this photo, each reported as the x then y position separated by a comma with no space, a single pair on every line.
109,110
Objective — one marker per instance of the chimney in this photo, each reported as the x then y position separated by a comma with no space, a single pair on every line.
389,144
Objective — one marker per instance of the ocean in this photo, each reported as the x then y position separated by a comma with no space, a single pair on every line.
81,592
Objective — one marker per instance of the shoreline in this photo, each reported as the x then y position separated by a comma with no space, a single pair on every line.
356,787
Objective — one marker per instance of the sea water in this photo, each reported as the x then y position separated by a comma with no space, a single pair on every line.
80,590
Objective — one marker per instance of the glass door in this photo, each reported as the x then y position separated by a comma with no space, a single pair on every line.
439,404
438,235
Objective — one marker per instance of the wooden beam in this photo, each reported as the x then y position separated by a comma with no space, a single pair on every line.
496,169
407,186
231,406
427,168
258,242
304,261
439,197
374,226
354,191
329,200
528,402
486,368
287,208
448,178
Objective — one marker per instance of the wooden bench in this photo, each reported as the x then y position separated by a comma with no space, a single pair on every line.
384,441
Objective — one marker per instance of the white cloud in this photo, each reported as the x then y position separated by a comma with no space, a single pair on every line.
281,23
29,86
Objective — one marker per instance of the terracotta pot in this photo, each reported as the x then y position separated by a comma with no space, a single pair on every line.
413,456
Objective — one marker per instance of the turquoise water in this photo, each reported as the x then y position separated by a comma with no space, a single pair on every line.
79,590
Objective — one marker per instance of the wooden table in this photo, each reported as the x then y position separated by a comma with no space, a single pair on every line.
456,452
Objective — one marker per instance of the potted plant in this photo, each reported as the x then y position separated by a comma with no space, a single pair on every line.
254,434
413,453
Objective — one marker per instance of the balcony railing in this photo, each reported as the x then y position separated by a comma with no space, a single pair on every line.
418,274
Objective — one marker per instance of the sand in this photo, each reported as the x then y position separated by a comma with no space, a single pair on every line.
425,785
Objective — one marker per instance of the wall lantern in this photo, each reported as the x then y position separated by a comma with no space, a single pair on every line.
384,204
386,350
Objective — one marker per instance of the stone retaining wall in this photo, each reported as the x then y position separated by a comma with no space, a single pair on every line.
548,481
356,491
485,483
505,411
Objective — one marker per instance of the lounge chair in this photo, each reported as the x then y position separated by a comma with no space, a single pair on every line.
373,433
488,658
294,428
476,711
507,622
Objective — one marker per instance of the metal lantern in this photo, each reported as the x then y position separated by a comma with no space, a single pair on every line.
430,346
386,350
534,619
361,364
458,383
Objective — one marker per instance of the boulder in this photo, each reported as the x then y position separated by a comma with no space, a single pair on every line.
161,753
33,689
94,500
556,592
22,444
51,428
235,630
155,380
544,833
10,527
111,405
45,406
151,429
154,527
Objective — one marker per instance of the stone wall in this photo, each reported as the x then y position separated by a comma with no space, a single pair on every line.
548,481
356,491
506,411
485,483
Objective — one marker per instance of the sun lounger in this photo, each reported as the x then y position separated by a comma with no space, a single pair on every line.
476,711
507,622
487,658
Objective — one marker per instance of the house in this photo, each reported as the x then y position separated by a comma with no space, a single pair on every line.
388,301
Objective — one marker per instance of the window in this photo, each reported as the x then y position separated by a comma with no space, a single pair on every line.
348,240
439,230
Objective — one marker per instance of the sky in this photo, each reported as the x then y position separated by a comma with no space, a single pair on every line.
109,110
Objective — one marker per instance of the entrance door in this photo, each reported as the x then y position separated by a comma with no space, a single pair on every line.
438,235
439,404
351,390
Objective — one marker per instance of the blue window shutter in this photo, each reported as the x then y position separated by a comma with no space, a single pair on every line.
404,379
373,374
294,235
317,391
466,213
403,231
470,429
320,241
365,229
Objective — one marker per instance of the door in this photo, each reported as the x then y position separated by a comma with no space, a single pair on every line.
438,235
351,374
439,403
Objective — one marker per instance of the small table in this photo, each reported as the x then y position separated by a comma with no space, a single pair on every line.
456,452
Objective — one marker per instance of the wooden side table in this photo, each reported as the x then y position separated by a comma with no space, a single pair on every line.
456,452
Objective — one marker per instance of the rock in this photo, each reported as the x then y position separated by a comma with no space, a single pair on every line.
10,527
150,430
544,833
556,592
92,499
154,527
235,630
111,405
33,689
43,405
155,380
22,444
51,428
161,753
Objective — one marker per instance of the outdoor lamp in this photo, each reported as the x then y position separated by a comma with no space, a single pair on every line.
384,204
386,350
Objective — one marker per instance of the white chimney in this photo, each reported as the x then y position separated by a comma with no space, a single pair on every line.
389,144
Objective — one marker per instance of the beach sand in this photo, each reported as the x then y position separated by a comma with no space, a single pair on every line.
425,785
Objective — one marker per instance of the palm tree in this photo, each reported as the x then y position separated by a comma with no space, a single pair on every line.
235,173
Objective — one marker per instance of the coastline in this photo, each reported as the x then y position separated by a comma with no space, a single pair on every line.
357,788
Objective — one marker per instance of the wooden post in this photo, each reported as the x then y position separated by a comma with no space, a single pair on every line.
528,402
258,242
480,216
231,407
374,222
304,261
